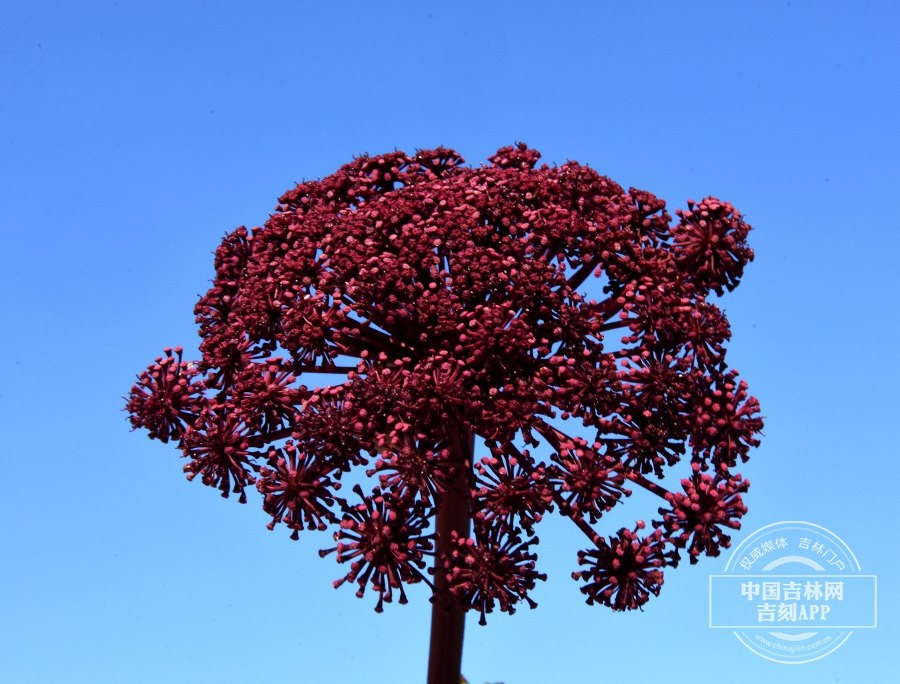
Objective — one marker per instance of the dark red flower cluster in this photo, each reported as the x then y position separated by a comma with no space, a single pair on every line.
497,569
589,483
449,303
510,491
711,244
298,489
623,572
696,517
386,545
166,398
217,445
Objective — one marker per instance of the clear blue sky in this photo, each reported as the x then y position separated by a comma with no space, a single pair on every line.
133,135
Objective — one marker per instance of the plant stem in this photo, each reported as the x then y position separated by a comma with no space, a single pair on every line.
447,617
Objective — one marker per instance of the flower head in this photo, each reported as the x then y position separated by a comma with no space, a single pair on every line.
297,490
166,398
263,394
710,242
696,517
496,568
589,483
436,304
725,421
382,538
217,445
511,491
623,572
408,468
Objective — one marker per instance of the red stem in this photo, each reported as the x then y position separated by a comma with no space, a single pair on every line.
447,617
582,273
649,485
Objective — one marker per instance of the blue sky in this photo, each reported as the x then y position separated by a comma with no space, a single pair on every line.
133,135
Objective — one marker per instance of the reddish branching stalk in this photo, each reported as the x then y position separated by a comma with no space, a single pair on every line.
451,303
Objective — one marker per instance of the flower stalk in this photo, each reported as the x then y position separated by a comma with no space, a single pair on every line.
448,619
